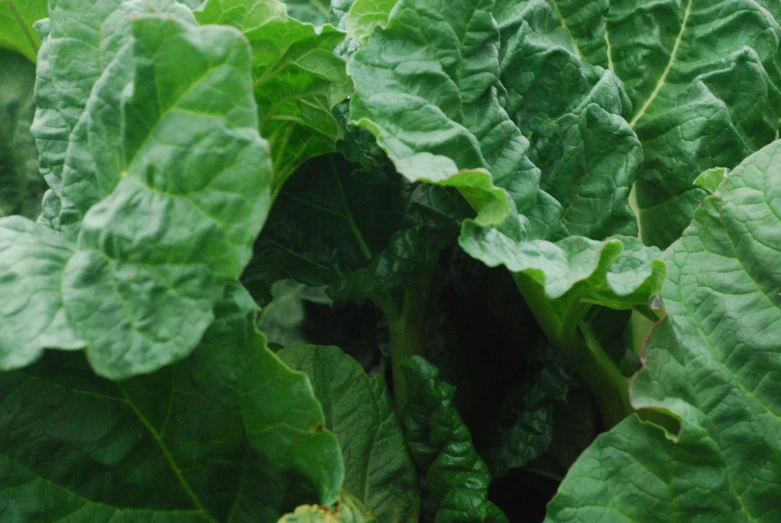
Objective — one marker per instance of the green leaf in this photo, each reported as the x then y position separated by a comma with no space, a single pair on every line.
578,26
419,99
460,122
315,12
166,446
79,44
378,470
285,421
282,319
329,226
298,79
711,179
454,479
16,25
572,114
192,4
32,261
495,90
21,186
349,510
712,363
681,63
530,410
191,196
365,15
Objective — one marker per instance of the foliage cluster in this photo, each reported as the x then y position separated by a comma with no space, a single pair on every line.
390,260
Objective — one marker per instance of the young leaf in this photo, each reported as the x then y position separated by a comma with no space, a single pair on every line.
454,478
298,79
282,319
349,510
715,370
531,414
378,470
16,25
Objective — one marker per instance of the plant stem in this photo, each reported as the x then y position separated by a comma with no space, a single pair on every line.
604,378
406,328
580,349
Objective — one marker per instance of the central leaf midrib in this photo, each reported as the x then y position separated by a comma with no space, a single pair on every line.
168,457
663,78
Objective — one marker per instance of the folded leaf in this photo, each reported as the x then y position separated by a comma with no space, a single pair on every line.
298,79
454,479
16,25
171,445
712,363
21,187
32,262
365,15
573,114
442,98
190,196
285,421
378,470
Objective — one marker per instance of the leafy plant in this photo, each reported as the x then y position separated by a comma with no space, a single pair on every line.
390,260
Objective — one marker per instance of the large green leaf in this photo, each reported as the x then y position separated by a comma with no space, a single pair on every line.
21,186
454,478
572,114
166,446
16,25
378,470
191,194
713,363
285,422
704,80
78,46
298,79
490,100
430,93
